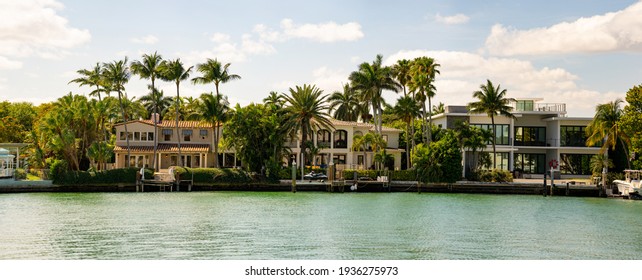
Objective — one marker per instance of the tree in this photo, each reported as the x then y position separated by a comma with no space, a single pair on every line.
213,110
362,142
631,122
274,99
407,110
438,109
371,80
116,75
345,104
150,69
306,112
91,78
605,128
174,71
214,72
422,74
401,72
155,101
491,101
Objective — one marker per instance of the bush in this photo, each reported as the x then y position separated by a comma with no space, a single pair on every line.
440,161
20,174
495,175
114,176
57,171
213,175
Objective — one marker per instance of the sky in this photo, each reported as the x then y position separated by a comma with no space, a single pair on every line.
578,52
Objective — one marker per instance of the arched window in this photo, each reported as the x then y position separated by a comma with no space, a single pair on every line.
323,138
340,139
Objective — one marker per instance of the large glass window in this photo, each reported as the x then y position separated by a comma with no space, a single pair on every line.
340,139
323,138
525,105
501,132
575,164
501,160
573,136
531,163
530,136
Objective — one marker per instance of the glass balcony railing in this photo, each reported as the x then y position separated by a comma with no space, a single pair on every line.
542,107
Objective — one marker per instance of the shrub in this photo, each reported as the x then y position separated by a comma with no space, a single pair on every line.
495,175
20,174
114,176
213,175
57,171
440,161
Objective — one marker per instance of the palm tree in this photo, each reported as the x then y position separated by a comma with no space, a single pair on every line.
306,112
407,110
370,80
605,127
155,101
344,104
93,78
274,99
213,109
401,72
214,72
492,101
438,109
423,72
149,68
174,71
362,142
116,75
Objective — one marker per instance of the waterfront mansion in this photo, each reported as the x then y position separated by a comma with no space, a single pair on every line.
197,144
539,134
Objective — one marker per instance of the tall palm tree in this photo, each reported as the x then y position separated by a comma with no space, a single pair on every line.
422,73
274,99
306,112
116,75
149,68
401,72
213,109
214,72
370,80
174,71
155,101
93,78
605,127
438,109
362,142
492,101
407,110
345,104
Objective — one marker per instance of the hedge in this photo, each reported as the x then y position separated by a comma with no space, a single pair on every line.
114,176
495,175
213,175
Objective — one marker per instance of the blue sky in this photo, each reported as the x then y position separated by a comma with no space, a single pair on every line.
576,52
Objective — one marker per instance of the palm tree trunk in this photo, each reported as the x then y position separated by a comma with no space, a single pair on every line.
626,153
492,121
407,145
424,125
178,102
429,120
216,133
122,110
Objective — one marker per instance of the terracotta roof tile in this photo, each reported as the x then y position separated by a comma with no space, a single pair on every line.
172,124
166,148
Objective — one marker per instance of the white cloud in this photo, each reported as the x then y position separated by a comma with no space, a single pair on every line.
220,38
329,80
252,46
462,73
616,31
454,19
8,64
323,32
149,40
32,28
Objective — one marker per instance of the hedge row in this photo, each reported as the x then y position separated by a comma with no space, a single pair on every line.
213,175
114,176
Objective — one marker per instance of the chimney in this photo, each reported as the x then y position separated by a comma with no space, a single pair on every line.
155,118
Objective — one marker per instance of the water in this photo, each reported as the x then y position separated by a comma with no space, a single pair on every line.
259,225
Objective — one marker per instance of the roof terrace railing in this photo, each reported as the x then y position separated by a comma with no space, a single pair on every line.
543,107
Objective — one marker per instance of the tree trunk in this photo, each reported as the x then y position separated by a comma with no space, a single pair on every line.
492,121
429,120
216,133
407,146
178,102
424,125
122,111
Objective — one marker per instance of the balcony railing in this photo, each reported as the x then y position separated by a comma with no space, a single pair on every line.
544,107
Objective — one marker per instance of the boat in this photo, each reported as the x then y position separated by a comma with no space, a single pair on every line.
630,186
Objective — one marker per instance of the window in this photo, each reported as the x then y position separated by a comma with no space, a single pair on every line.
130,135
341,139
525,105
360,159
168,134
501,158
143,136
573,136
501,132
122,135
339,159
136,136
150,136
531,163
575,164
323,138
530,136
187,135
203,133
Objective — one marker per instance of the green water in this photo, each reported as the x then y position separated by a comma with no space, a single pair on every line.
253,225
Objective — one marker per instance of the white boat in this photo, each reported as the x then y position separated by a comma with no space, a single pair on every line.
630,186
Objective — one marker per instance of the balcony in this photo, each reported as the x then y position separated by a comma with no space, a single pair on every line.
541,107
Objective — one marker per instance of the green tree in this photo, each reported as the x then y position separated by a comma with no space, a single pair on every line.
440,161
91,78
407,110
214,72
605,128
214,110
100,153
401,72
345,104
370,80
274,99
116,75
422,72
156,101
306,112
491,101
150,68
631,121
